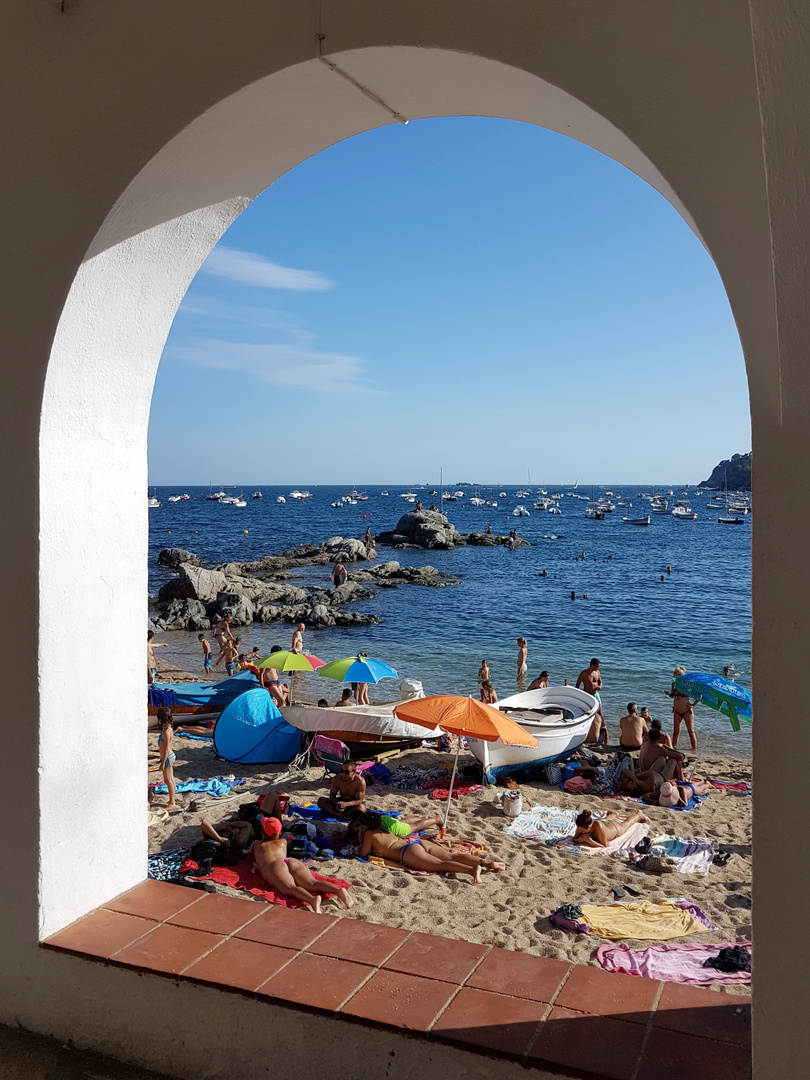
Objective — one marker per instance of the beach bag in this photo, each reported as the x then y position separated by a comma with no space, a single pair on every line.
512,803
553,773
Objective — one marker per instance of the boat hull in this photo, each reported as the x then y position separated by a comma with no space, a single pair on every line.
365,729
559,718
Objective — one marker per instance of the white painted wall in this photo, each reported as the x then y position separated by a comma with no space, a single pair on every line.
122,125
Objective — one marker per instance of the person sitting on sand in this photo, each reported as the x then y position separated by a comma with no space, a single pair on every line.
648,781
346,792
599,832
167,755
651,723
239,834
345,701
269,679
653,750
632,728
540,683
416,853
289,876
677,792
489,694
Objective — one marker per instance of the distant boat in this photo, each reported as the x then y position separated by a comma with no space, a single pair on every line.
175,498
491,502
280,499
520,511
337,505
682,511
502,495
637,520
730,521
256,495
385,492
154,503
594,512
554,510
214,496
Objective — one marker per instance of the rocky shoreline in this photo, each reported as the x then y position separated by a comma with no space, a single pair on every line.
261,591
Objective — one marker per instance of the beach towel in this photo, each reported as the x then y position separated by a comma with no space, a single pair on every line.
547,823
216,786
314,813
640,919
692,854
741,788
165,865
620,845
159,699
440,789
681,963
187,735
246,877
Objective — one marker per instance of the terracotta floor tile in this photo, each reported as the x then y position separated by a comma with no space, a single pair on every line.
287,928
519,975
607,993
169,949
243,964
362,942
101,934
437,958
218,914
156,900
405,1001
490,1020
696,1011
322,982
597,1044
670,1055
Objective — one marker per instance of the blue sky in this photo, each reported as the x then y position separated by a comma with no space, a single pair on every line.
477,294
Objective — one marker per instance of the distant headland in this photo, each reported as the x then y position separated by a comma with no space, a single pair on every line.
736,472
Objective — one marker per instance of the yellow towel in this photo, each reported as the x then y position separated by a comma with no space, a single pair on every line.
642,920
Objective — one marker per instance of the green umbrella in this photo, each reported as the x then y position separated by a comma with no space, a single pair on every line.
287,661
360,668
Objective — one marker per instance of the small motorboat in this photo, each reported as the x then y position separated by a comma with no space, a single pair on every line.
154,503
502,495
337,505
280,499
175,498
730,521
520,511
594,512
554,510
256,495
684,513
559,718
491,502
637,520
476,501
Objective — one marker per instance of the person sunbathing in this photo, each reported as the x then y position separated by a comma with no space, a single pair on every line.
678,792
402,826
238,833
416,853
648,781
289,876
599,832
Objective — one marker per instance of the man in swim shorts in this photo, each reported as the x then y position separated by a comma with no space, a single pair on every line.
632,728
347,792
591,680
289,876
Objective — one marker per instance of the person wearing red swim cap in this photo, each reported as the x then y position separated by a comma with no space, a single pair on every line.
289,876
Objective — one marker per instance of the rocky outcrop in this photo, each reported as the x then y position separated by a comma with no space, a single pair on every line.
173,557
235,604
735,472
186,615
422,529
346,549
199,584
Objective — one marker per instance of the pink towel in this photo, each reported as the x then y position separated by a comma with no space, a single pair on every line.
682,963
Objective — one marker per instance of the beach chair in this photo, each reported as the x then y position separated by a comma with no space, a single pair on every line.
331,753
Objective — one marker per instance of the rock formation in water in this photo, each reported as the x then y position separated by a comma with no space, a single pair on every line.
736,472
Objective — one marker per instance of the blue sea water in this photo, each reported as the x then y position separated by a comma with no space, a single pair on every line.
639,626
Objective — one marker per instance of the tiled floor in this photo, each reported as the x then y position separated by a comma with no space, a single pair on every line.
581,1020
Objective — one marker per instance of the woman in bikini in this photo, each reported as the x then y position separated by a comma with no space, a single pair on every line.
167,755
289,876
683,711
417,853
599,832
222,633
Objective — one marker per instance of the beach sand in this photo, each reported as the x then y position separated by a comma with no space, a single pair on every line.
508,909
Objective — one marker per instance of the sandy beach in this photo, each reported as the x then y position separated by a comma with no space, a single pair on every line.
508,909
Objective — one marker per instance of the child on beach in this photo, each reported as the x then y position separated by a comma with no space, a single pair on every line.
230,655
488,693
483,672
206,648
167,755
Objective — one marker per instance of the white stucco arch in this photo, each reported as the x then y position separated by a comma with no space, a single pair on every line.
126,172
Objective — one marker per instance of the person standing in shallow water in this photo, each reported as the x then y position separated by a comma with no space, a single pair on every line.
298,639
683,711
522,660
483,672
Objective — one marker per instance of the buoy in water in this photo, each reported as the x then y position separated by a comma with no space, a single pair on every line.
245,531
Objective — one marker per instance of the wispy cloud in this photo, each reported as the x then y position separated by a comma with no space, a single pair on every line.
245,317
250,269
290,367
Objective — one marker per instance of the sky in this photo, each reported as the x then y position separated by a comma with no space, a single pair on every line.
478,295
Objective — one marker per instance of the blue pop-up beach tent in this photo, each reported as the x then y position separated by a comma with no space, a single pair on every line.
252,731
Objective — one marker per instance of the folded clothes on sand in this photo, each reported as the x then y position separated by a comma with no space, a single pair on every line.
246,877
682,962
547,823
215,786
641,919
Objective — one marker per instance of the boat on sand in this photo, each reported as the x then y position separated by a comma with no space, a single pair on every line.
559,718
366,729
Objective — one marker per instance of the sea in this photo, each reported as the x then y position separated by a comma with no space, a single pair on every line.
647,599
